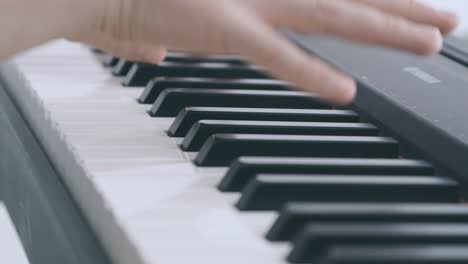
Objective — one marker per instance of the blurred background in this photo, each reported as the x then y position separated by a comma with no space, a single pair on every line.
459,6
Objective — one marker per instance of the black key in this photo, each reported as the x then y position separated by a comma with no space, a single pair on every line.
173,100
190,115
203,129
140,74
315,239
455,49
294,216
272,191
110,60
122,67
157,85
97,51
180,57
245,168
222,149
398,254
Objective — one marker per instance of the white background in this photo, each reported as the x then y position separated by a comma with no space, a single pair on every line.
459,6
10,245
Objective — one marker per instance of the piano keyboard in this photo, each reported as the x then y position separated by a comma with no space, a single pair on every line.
209,160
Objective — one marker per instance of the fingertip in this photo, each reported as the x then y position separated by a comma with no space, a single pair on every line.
345,91
339,90
432,41
154,55
450,21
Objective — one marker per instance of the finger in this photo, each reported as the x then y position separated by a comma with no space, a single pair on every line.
354,22
128,50
417,12
256,40
230,27
139,52
144,53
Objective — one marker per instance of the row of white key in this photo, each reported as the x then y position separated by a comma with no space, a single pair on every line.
169,210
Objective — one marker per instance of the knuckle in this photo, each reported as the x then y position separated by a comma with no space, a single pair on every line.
325,7
389,26
327,14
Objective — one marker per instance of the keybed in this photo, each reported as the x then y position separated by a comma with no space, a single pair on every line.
210,160
336,183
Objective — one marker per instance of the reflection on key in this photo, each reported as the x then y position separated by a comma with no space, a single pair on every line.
203,129
171,101
272,191
316,239
222,149
190,115
154,88
245,168
294,216
140,74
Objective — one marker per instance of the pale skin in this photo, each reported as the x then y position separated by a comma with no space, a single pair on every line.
142,29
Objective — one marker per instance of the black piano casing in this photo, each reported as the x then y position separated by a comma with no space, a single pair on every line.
421,101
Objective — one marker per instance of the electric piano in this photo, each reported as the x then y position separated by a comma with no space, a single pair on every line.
207,159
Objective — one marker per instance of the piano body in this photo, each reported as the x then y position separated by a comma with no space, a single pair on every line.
208,160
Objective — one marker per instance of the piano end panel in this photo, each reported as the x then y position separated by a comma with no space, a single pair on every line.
69,168
50,225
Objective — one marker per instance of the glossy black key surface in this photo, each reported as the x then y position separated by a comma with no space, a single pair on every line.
203,129
140,74
190,115
399,254
97,51
110,60
316,239
171,101
222,149
272,191
122,67
456,50
154,88
294,216
180,57
245,168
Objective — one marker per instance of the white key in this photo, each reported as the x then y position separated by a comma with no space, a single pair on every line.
10,244
147,202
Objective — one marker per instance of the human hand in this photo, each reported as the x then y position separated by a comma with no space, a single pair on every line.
139,29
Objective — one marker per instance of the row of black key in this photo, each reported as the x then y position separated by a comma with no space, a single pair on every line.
334,207
157,85
140,73
173,100
204,129
177,57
